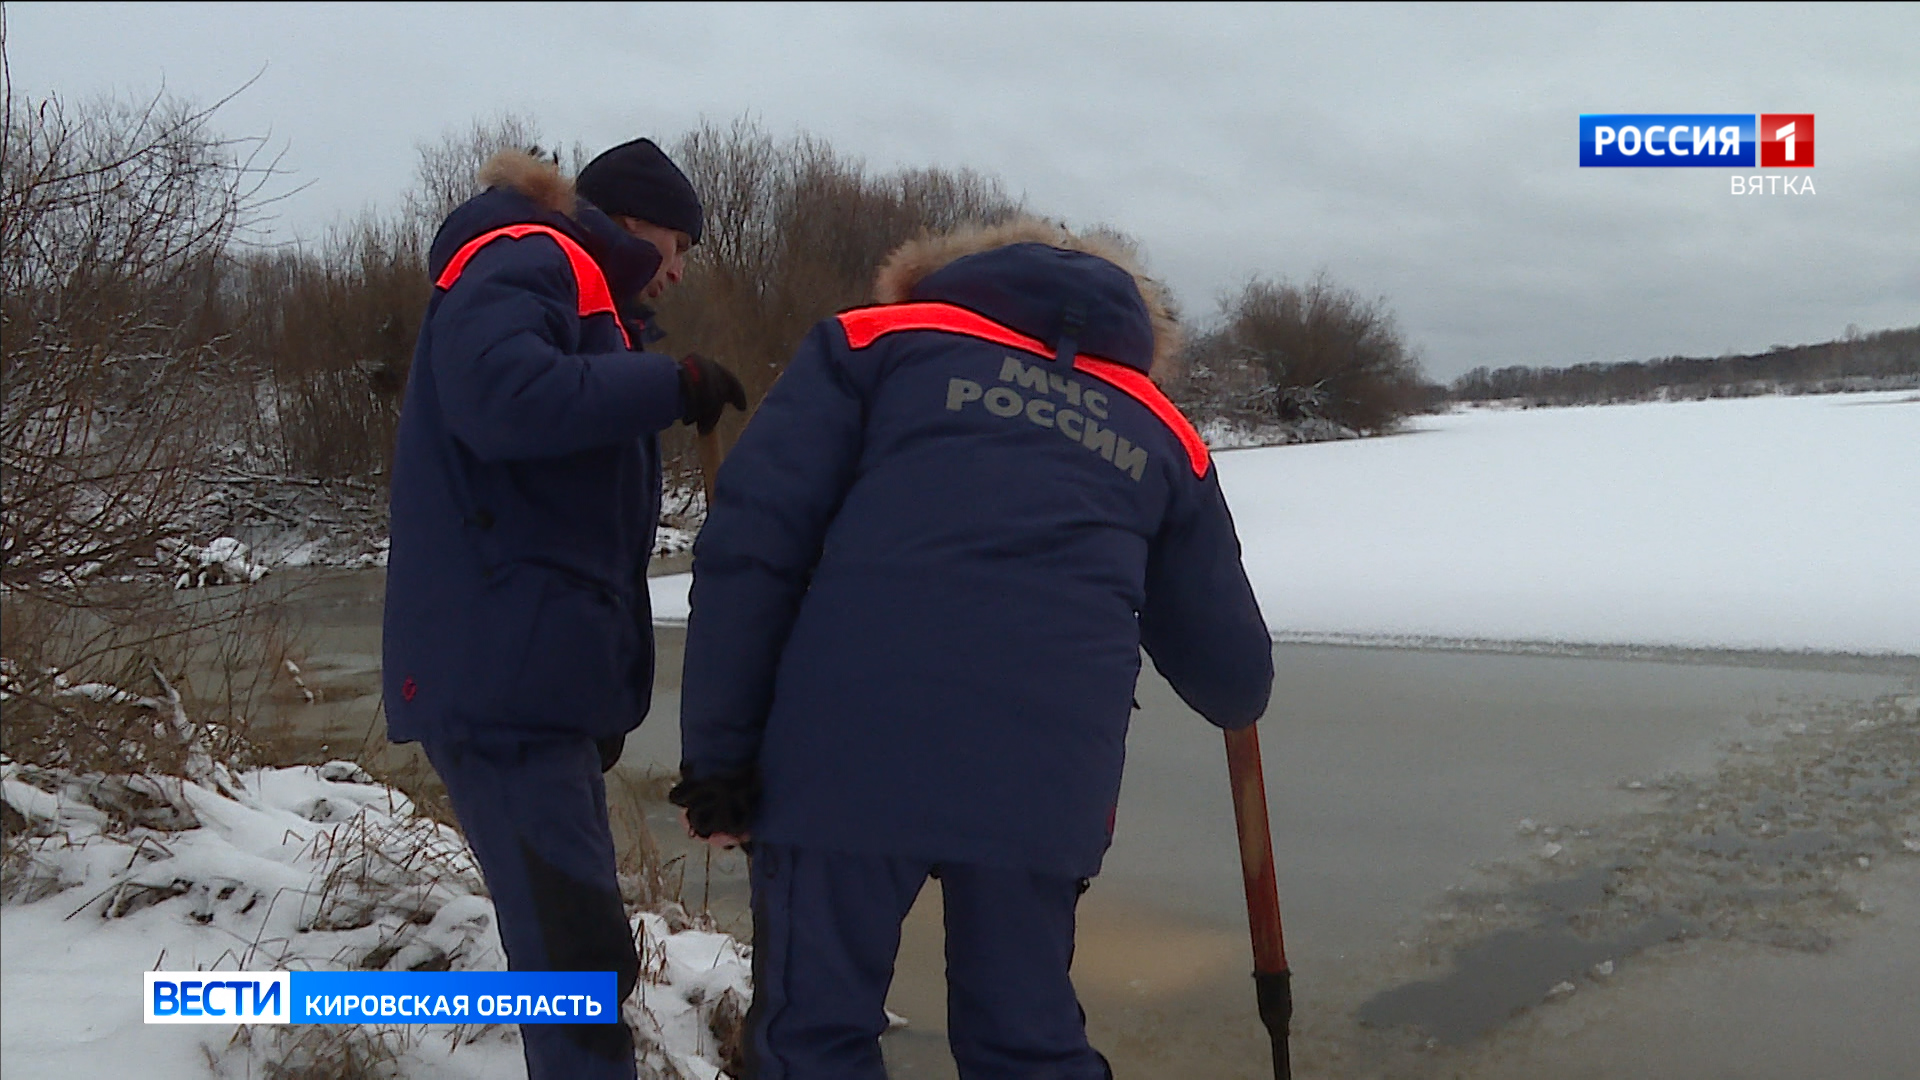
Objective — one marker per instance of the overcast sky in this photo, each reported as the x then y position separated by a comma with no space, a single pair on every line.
1427,155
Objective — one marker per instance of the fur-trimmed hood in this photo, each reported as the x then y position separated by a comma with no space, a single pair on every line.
537,178
902,276
523,188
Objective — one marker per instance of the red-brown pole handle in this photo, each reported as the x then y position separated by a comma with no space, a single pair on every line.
1272,979
1256,849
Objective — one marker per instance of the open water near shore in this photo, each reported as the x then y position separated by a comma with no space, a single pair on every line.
1491,864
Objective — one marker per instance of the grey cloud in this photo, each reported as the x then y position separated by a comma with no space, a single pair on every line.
1426,154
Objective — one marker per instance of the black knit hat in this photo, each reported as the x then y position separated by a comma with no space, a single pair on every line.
637,179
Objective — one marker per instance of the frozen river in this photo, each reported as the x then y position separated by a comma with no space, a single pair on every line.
1592,861
1412,794
1416,796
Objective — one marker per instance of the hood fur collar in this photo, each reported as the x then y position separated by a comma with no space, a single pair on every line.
913,261
535,177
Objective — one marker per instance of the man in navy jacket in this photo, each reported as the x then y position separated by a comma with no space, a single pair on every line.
918,609
526,486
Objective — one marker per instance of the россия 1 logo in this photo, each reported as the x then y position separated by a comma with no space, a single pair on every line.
1696,140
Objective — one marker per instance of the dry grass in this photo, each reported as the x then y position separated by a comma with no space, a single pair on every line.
144,681
317,1052
402,864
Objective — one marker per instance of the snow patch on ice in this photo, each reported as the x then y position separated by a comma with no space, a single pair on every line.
1762,523
669,593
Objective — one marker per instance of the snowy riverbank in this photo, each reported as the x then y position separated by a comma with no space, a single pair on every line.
305,868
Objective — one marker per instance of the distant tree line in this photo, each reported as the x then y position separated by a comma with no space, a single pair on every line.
1886,359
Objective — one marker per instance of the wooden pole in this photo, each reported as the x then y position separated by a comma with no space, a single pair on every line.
1271,977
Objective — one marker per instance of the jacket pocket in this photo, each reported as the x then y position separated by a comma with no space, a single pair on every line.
558,651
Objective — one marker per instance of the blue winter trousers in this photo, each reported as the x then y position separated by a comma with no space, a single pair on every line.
535,814
826,928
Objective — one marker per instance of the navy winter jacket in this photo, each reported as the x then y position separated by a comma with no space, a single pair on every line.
935,554
526,480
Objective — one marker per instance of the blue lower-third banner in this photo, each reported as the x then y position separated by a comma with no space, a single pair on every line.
381,997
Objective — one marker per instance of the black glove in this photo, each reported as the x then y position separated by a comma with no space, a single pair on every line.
610,751
706,389
724,803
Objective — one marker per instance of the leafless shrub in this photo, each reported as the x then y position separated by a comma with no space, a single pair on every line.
334,330
120,372
140,679
794,232
446,170
333,326
114,222
1314,350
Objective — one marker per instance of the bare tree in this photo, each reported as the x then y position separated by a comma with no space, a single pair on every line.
445,174
794,232
1313,351
115,220
122,384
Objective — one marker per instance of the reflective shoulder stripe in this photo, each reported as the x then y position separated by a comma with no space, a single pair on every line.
864,326
1137,386
588,281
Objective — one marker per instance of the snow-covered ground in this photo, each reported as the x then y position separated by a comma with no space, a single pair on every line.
306,868
1755,523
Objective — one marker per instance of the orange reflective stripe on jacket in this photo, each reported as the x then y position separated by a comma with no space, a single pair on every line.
1136,385
588,281
864,326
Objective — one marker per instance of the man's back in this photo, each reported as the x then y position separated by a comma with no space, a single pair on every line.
969,535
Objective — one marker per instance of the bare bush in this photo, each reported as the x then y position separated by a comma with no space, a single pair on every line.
334,326
446,172
1316,351
794,233
122,384
334,330
117,359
